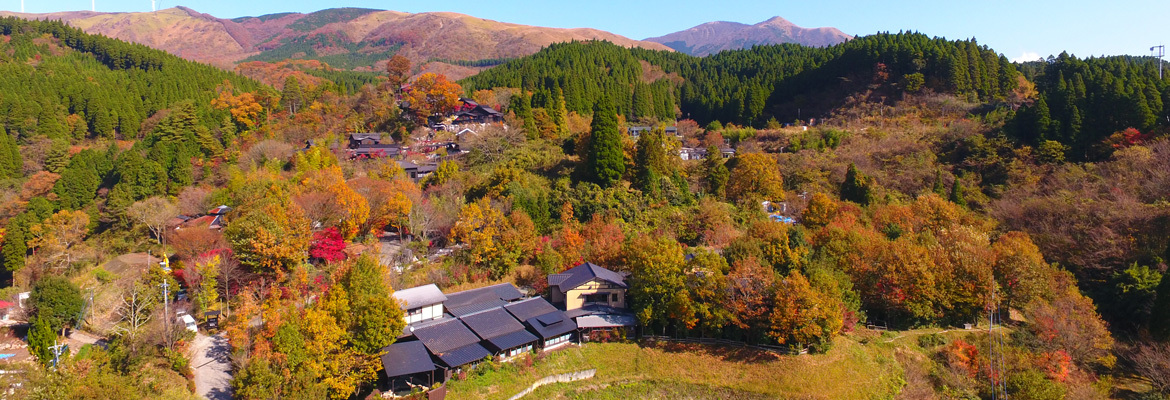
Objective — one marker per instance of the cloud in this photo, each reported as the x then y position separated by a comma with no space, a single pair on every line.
1027,56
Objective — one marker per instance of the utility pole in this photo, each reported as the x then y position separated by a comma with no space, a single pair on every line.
57,349
166,313
1160,52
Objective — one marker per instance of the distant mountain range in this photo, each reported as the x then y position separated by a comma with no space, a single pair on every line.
362,39
713,37
345,38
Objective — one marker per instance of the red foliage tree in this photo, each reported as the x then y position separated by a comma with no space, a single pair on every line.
327,245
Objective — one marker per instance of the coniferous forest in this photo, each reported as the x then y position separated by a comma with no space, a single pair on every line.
834,217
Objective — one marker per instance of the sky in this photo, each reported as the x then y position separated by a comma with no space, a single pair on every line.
1019,29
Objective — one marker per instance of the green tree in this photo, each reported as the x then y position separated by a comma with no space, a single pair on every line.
56,301
605,163
40,336
650,163
57,157
15,247
11,163
957,196
939,188
856,187
715,173
291,96
377,319
658,288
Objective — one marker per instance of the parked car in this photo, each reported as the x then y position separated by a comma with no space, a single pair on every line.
188,321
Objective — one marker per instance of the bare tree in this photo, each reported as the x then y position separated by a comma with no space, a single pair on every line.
154,214
136,309
193,200
491,141
1152,360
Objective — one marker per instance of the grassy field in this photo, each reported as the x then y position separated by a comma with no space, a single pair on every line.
851,370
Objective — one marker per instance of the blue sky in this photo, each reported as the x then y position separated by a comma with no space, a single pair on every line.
1017,28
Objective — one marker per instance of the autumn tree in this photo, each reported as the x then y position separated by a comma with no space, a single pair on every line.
327,245
432,94
153,213
820,211
245,107
801,314
397,71
483,228
271,237
59,240
755,177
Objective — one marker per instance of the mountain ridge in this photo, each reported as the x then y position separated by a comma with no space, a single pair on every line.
713,37
353,38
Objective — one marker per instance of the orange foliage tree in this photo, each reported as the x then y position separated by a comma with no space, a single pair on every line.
432,94
245,107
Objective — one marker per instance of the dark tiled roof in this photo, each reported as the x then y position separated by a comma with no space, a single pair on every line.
463,355
556,279
445,336
551,325
530,308
586,272
406,358
475,300
510,341
491,323
420,296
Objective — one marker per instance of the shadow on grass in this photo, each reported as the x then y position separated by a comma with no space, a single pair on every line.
721,351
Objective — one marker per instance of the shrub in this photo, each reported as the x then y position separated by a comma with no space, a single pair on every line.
102,275
931,340
1032,385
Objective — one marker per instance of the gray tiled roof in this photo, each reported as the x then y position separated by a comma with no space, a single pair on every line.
463,355
475,300
510,341
584,273
551,325
530,308
406,358
420,296
490,323
445,336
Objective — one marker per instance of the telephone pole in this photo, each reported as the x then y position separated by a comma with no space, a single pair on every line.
166,313
1159,51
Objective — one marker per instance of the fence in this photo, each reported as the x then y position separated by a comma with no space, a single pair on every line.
762,347
562,378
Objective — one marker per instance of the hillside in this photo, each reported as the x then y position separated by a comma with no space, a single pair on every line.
345,38
713,37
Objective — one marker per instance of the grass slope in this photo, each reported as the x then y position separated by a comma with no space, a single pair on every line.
850,370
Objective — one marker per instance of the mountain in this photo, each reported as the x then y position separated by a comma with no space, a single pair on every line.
345,38
713,37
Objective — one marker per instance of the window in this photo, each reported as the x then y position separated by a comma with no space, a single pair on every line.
613,298
596,298
556,341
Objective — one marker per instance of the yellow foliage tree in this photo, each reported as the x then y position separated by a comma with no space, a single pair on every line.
245,107
59,239
755,177
433,94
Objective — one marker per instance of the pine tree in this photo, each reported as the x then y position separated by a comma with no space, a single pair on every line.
40,338
856,187
15,247
291,96
11,163
650,163
957,194
560,114
716,173
606,160
57,157
938,184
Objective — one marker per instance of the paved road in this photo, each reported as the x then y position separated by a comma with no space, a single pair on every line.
212,364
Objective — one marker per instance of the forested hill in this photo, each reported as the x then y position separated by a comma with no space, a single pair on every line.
61,83
1082,103
754,85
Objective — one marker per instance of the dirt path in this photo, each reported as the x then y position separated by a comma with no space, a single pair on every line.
212,366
